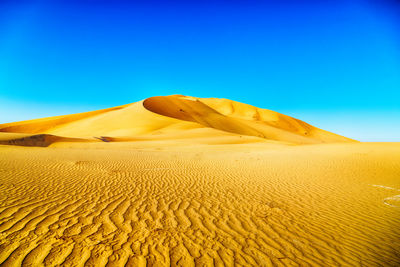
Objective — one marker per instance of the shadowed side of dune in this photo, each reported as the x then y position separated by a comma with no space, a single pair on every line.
196,111
244,120
244,111
265,117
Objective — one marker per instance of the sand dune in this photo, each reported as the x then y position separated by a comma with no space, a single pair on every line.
183,181
172,114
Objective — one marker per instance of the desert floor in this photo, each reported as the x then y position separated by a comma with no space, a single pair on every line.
244,204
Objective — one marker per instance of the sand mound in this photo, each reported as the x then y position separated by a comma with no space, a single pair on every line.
175,114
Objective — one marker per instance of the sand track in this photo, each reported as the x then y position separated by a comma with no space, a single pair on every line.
209,207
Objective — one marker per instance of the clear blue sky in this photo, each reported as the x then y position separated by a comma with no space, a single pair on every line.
334,64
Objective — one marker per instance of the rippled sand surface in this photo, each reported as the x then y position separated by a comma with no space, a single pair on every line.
254,204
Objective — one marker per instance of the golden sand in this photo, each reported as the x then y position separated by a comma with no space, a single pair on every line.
188,181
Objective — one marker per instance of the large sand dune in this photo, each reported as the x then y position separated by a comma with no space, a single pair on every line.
188,181
173,114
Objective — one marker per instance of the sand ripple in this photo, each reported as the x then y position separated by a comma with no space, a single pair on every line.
78,207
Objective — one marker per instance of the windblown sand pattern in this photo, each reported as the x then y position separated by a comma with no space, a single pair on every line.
198,191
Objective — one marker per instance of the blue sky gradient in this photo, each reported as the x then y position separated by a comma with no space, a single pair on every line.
334,64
